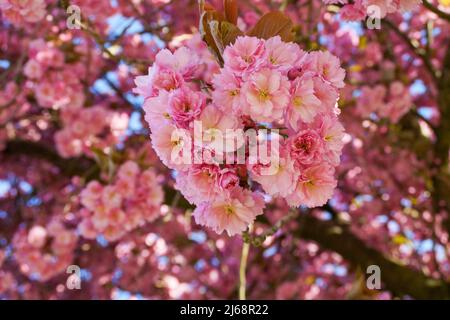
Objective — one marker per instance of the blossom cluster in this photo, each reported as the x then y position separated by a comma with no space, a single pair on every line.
21,11
112,210
264,84
85,128
50,78
359,9
10,95
43,251
6,278
392,103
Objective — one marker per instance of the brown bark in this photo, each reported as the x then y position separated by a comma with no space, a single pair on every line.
397,278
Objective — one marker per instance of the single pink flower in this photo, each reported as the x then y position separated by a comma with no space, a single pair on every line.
332,133
128,171
281,55
183,60
266,94
158,79
173,146
37,236
326,93
111,198
214,135
280,180
228,179
227,92
33,69
328,67
185,105
304,105
231,213
314,187
157,111
306,147
245,56
91,195
199,183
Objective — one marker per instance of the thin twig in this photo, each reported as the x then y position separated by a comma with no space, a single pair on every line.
242,269
414,48
258,240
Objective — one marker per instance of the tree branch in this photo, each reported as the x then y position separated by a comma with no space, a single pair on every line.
439,13
441,175
69,167
414,47
398,278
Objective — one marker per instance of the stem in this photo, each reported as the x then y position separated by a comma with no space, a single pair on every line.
175,200
242,268
258,240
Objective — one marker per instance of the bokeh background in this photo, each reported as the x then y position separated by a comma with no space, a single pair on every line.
68,116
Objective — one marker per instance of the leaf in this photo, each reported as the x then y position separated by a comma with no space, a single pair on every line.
229,32
215,28
205,32
101,158
231,11
215,33
224,33
273,24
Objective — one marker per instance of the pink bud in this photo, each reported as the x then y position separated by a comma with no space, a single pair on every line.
294,73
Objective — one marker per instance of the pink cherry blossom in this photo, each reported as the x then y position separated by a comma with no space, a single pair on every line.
279,181
183,60
314,187
171,144
281,55
245,56
266,95
304,105
328,66
158,78
157,111
227,94
23,11
231,213
199,183
185,106
306,147
332,133
133,199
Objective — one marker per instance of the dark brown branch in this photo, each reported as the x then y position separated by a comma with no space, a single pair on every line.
397,278
419,52
439,13
69,167
441,178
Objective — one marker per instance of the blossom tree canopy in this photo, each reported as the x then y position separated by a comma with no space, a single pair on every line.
224,149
